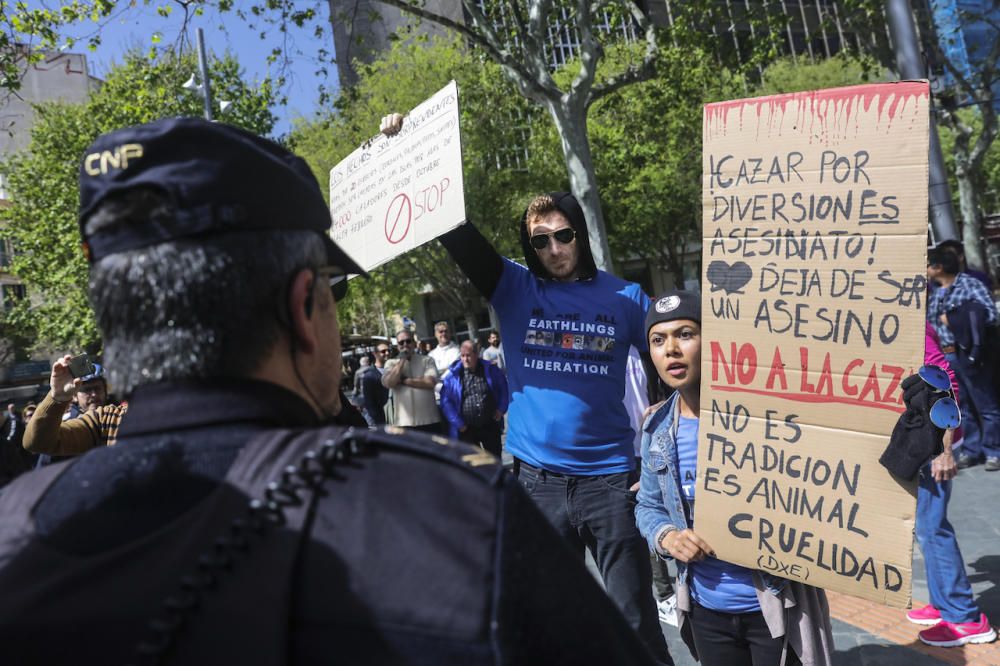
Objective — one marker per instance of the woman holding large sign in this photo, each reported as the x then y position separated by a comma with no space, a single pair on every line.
729,614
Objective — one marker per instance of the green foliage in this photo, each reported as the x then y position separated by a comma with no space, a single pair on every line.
26,31
647,151
495,121
786,75
42,220
987,179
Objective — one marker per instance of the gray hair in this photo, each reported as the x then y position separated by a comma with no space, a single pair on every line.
192,308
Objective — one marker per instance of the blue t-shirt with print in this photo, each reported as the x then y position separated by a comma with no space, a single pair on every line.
714,584
566,345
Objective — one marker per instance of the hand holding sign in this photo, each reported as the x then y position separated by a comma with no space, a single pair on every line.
391,124
686,546
404,186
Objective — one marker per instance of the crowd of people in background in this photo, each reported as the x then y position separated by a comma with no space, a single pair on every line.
457,368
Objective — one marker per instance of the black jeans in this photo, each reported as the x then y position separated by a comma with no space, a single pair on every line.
486,436
597,513
735,639
663,585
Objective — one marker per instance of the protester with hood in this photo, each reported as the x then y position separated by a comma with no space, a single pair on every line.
569,327
565,431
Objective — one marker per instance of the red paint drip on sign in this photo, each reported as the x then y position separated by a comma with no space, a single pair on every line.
819,105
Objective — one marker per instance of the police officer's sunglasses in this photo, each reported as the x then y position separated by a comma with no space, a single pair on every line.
564,236
337,278
944,412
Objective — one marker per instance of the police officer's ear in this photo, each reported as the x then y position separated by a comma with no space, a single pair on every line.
301,331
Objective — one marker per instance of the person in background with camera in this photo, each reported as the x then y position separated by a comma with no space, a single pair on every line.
74,416
412,377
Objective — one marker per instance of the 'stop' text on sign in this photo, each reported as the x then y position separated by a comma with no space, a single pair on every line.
396,193
815,226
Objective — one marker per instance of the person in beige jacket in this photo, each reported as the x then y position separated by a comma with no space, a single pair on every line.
97,424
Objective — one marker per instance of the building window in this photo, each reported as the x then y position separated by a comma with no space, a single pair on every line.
12,293
5,253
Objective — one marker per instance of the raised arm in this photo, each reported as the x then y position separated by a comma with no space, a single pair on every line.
394,374
482,264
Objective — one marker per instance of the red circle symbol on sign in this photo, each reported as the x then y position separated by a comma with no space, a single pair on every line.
397,218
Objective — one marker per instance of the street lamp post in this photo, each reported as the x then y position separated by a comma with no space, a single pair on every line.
912,66
206,88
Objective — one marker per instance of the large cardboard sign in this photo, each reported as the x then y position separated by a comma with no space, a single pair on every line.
814,250
395,193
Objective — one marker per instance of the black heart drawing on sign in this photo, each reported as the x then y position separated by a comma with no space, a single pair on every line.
730,279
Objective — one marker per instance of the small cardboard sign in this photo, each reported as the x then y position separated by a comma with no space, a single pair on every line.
814,249
396,193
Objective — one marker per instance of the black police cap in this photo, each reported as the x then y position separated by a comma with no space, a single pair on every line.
220,179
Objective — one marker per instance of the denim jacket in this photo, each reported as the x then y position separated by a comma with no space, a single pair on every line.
659,500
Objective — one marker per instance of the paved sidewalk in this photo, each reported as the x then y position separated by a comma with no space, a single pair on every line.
866,634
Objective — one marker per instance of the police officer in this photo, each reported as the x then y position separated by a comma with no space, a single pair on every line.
237,520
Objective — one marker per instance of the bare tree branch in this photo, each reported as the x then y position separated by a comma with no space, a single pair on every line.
633,74
590,54
537,38
484,36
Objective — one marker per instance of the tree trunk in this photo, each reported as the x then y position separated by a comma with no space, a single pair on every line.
472,324
571,124
968,203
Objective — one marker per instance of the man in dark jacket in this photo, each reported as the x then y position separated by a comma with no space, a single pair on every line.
374,396
239,519
474,399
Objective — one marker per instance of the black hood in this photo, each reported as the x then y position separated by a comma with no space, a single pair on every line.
570,207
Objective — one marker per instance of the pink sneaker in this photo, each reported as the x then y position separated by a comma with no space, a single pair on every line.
948,634
926,615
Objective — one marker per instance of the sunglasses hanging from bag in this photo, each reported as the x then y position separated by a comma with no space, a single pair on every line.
945,412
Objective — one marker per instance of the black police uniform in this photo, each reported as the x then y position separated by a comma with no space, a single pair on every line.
415,550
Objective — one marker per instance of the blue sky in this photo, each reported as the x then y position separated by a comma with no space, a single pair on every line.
136,27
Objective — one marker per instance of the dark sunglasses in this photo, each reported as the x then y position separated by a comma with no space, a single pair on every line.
404,342
944,412
338,280
564,236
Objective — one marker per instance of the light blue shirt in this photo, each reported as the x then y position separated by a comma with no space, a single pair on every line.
714,584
